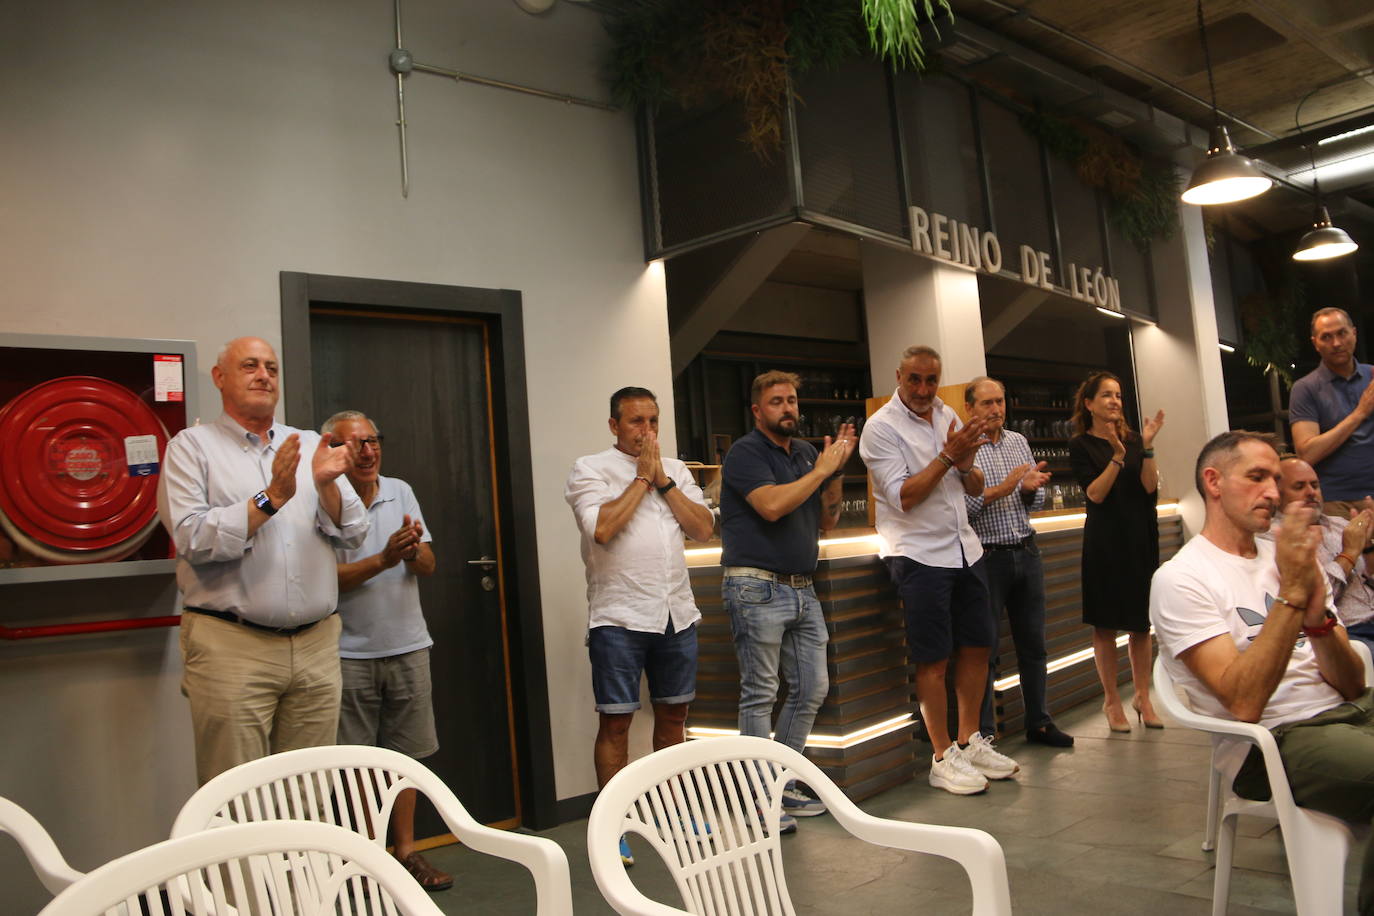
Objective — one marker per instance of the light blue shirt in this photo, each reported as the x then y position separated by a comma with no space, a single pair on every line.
285,575
382,617
897,444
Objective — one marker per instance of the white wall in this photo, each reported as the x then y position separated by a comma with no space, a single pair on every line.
163,162
1178,364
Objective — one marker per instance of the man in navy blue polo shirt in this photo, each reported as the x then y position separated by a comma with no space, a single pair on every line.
1332,415
777,492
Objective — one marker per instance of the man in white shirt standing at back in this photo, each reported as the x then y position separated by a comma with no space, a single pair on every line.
921,462
633,506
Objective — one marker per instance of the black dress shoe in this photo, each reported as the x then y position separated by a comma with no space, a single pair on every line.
1049,734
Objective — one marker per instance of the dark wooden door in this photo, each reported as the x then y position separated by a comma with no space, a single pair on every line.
425,379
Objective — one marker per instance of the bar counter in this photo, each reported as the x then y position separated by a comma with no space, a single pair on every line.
865,736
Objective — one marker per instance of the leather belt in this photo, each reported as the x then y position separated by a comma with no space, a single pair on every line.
781,578
231,617
1019,545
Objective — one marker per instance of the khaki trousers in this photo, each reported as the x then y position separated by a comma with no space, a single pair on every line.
254,693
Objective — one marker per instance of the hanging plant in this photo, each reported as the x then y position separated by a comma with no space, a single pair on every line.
1142,196
690,51
894,29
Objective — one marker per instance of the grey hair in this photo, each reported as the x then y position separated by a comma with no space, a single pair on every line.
971,389
328,425
921,350
1322,313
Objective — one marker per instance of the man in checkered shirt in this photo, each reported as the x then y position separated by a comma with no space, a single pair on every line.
1014,486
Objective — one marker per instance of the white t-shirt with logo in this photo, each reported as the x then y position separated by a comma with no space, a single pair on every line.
1204,592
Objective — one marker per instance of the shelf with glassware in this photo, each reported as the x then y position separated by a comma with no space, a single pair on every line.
713,398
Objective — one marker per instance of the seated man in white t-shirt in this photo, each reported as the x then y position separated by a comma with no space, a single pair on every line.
1247,628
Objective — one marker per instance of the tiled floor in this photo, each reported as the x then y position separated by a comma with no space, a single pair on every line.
1111,826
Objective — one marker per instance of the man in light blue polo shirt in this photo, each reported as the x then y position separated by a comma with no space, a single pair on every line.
1332,415
384,646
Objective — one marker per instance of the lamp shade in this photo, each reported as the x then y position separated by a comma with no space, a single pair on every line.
1324,241
1225,176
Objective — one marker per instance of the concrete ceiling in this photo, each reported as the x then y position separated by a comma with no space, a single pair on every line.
1269,57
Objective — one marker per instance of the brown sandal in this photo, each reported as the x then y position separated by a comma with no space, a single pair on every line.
428,877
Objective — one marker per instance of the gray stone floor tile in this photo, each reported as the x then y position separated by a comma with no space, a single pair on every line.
1111,826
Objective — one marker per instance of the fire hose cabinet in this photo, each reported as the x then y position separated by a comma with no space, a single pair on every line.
84,424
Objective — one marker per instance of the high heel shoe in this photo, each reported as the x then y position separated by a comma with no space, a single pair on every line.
1123,726
1140,716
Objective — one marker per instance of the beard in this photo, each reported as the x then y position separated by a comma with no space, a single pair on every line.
785,426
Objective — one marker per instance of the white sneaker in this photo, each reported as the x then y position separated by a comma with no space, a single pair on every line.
981,756
955,774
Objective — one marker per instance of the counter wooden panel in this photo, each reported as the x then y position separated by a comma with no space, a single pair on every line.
871,680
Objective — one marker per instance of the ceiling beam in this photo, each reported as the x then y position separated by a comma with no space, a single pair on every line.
1017,311
737,283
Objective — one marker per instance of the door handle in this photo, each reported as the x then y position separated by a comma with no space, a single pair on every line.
485,562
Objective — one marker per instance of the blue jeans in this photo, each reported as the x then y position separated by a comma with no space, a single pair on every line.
1016,582
777,627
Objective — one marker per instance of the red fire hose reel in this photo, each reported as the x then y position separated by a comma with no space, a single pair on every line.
79,465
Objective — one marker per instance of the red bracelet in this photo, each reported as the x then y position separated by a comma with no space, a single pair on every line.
1323,630
648,484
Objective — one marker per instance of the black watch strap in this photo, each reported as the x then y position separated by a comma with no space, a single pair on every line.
663,490
264,504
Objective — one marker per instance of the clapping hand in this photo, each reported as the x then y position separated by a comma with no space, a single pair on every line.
330,461
1355,538
1151,429
1035,477
284,464
1301,580
834,454
962,445
403,543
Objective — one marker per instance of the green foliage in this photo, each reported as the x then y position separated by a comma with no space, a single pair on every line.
1271,326
688,51
894,29
1142,196
1150,212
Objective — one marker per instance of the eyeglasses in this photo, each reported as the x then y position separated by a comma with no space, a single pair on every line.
374,441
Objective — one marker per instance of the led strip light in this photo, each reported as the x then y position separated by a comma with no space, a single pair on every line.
833,742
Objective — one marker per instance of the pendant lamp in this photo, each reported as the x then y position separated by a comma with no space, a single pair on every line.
1324,241
1224,176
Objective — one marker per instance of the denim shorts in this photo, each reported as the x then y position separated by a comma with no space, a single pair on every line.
620,656
945,608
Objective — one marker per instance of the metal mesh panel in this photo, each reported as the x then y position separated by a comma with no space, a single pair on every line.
1020,212
708,179
1080,225
941,147
1131,268
848,151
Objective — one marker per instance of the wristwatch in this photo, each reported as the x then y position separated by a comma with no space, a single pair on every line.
663,490
263,503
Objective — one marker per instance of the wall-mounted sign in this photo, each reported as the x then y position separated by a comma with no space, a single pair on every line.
939,236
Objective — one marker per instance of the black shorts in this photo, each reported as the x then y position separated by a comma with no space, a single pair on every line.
945,608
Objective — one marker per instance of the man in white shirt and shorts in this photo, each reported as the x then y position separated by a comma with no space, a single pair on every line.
1247,628
633,507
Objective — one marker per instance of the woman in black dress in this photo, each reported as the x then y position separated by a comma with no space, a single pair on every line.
1116,469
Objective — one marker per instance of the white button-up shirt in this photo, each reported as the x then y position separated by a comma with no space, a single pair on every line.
895,445
639,578
285,575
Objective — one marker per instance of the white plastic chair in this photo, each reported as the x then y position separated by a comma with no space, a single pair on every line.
1316,844
1209,836
355,787
694,804
287,869
38,847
